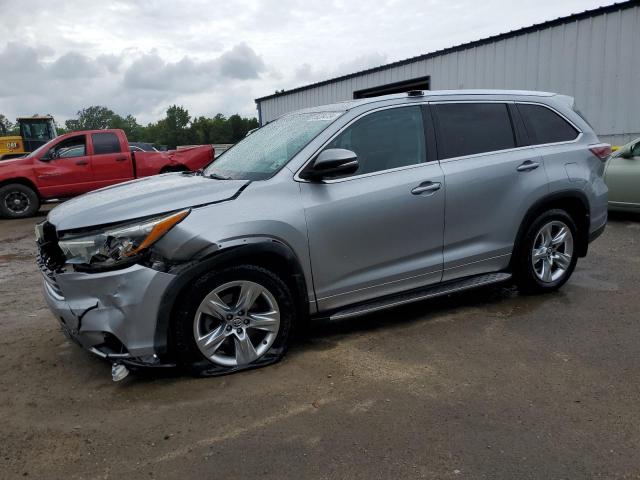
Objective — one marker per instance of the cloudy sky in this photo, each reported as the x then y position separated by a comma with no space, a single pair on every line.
215,56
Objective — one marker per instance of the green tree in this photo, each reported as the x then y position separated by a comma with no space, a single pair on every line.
176,128
97,117
91,118
60,129
130,126
211,130
5,125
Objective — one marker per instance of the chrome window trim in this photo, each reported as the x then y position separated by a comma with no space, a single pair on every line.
377,285
477,261
297,177
507,150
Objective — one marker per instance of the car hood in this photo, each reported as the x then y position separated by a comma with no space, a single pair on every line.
12,162
142,198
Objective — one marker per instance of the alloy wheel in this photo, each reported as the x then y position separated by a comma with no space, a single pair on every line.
552,251
17,202
236,323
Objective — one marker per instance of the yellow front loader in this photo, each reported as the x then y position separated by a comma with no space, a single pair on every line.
34,132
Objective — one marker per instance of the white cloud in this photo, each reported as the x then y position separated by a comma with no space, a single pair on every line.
139,57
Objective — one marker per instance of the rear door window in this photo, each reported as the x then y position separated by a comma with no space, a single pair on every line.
105,143
543,125
472,128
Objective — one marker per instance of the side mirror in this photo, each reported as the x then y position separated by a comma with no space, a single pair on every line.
334,162
623,152
630,151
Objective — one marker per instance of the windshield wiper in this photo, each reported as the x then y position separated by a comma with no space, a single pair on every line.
218,177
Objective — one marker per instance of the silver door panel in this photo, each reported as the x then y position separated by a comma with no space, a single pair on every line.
371,236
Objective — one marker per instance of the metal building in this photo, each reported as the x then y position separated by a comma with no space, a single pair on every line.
593,56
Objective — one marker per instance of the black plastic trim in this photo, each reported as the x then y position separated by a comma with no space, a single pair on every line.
429,134
596,233
520,132
569,194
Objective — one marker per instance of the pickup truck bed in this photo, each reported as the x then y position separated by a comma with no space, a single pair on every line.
79,162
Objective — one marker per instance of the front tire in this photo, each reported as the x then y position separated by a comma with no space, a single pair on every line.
18,201
234,319
547,255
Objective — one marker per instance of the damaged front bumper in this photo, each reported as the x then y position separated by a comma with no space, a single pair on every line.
112,314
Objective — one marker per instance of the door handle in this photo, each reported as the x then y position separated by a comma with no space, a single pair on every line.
121,159
82,162
528,166
426,187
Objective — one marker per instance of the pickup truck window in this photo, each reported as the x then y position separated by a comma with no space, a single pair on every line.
263,153
72,152
70,147
105,143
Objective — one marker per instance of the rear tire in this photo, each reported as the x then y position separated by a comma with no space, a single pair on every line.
547,254
217,333
18,201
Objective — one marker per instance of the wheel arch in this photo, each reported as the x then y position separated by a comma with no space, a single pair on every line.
574,202
271,254
22,181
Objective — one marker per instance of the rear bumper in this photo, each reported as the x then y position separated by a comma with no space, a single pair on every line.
112,314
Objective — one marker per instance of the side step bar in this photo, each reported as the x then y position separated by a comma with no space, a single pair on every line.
422,294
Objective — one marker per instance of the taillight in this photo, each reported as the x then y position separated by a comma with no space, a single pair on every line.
601,150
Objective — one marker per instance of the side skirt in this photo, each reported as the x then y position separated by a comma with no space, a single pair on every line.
418,295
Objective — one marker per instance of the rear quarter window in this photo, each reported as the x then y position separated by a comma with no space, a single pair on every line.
543,125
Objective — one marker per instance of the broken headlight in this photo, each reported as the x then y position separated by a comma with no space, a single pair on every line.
119,243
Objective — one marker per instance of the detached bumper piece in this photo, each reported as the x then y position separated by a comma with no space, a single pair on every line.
119,372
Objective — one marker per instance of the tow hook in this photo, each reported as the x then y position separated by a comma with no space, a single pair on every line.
119,372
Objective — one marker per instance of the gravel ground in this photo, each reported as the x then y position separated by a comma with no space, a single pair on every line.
488,384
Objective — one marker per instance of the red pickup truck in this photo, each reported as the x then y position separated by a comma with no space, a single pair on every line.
79,162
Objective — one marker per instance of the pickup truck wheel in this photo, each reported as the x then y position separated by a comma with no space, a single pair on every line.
547,257
18,201
234,319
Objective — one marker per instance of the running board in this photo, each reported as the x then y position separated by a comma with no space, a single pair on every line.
423,294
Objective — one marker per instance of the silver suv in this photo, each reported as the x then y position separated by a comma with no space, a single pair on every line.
330,212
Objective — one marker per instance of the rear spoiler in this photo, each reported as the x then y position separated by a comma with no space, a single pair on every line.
567,100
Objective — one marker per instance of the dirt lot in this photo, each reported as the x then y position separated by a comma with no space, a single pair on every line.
488,384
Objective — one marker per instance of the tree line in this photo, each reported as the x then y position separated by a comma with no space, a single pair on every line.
176,128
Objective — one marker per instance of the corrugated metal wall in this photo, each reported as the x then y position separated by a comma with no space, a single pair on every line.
596,60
